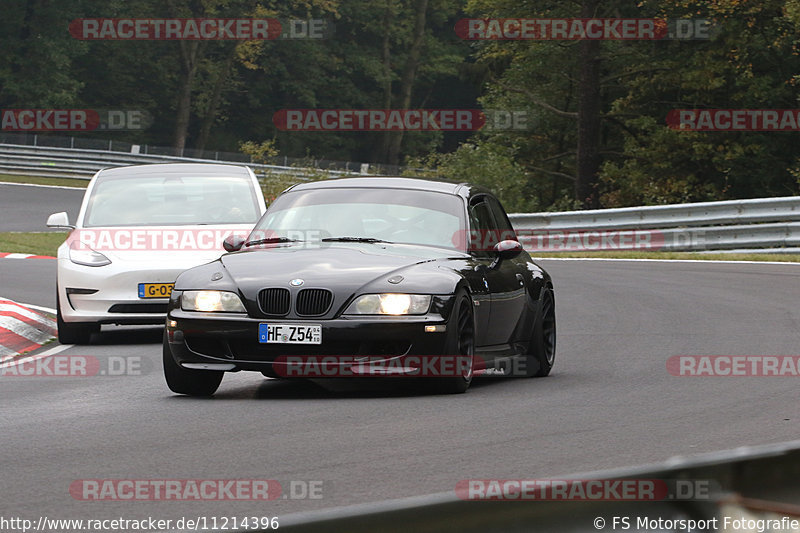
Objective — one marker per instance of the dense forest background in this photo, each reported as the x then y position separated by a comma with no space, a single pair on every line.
596,110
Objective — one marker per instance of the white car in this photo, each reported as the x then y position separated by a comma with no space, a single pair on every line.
137,229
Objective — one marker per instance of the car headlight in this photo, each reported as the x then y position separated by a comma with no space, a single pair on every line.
390,304
84,255
212,301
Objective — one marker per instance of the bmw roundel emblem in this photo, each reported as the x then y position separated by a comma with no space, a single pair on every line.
296,282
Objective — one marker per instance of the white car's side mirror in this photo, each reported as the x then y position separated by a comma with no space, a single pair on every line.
59,220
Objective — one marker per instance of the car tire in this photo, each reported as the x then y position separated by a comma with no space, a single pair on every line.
460,341
542,349
73,333
185,381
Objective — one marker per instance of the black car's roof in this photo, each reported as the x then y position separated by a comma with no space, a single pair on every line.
186,169
388,182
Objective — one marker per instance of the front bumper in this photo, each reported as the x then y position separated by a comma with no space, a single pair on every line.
390,344
115,299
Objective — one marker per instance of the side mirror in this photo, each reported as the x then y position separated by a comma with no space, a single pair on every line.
59,220
233,243
507,249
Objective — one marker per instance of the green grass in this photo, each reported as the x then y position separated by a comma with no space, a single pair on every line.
64,182
47,243
31,243
788,258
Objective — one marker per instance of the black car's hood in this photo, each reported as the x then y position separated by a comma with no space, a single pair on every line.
344,268
320,265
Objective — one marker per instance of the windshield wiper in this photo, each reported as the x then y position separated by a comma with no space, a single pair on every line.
270,240
353,239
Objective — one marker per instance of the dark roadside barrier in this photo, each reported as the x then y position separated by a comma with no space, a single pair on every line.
745,489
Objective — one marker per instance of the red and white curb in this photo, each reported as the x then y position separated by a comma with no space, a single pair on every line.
22,329
8,255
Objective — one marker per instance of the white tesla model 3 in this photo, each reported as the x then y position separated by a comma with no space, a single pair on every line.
137,229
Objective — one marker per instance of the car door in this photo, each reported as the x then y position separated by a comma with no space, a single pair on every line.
476,273
503,279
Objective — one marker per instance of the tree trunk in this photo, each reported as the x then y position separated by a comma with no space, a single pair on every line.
588,159
189,59
386,57
216,96
24,34
408,78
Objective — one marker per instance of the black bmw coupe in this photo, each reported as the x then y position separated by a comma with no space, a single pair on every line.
373,276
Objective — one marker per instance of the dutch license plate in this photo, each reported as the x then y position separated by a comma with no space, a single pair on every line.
155,290
290,333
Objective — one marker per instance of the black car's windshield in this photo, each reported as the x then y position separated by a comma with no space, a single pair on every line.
365,215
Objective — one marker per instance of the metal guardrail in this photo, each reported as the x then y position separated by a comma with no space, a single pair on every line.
769,225
83,142
784,209
753,482
75,163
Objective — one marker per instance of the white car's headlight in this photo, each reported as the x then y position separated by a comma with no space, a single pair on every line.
84,255
212,301
390,304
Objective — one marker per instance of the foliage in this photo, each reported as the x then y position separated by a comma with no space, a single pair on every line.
259,152
222,95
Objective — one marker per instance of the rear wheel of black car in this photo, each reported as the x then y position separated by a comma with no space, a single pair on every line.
73,333
542,351
186,381
461,343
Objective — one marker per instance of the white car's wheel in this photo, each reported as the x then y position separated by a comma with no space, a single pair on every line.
73,333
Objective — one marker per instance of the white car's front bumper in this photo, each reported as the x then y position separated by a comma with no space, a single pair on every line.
109,294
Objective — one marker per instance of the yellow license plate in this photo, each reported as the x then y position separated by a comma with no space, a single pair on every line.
155,290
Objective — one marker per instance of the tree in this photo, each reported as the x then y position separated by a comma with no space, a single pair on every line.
36,67
600,108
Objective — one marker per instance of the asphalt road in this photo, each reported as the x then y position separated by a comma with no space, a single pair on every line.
26,208
32,281
609,402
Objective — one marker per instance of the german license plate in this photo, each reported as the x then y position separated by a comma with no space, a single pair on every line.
155,290
290,333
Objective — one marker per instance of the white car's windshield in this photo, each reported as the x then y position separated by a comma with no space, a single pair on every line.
401,216
164,200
